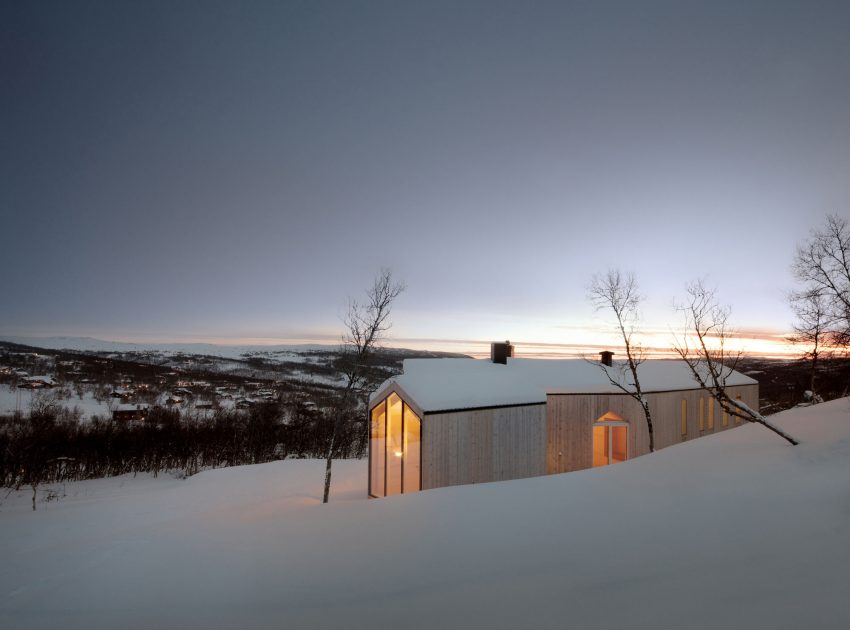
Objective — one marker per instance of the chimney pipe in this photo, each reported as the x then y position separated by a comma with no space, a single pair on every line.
606,357
500,352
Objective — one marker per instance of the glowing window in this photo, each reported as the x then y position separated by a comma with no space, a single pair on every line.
610,440
394,446
412,450
395,450
711,414
377,449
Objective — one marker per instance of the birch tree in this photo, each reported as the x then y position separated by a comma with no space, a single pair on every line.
366,324
811,330
822,266
703,347
618,292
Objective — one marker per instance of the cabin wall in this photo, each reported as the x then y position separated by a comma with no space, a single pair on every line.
569,427
482,445
570,418
667,408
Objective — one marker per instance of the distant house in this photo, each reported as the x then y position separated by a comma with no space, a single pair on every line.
446,422
37,382
123,394
131,412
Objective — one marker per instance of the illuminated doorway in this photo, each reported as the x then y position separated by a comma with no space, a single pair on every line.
610,440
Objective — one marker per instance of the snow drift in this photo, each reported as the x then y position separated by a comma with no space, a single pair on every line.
734,530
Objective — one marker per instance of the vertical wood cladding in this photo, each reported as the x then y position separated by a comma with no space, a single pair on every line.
570,418
483,445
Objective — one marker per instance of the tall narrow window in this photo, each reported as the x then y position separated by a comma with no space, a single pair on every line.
701,413
377,449
601,446
737,419
619,444
711,414
684,418
395,447
724,418
412,451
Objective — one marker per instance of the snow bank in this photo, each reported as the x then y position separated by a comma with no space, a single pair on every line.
14,399
734,530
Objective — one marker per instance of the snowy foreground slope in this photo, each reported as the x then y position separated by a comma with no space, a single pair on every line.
737,530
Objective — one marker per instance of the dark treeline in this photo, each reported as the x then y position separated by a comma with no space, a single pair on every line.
50,444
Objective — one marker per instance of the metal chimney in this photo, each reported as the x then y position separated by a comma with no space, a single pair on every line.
606,357
500,352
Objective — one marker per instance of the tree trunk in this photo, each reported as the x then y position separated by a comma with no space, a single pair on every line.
755,416
814,371
649,426
329,463
775,429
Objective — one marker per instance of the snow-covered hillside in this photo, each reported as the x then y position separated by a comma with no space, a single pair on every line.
736,530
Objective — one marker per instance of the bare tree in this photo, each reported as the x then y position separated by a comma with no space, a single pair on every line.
703,348
822,265
811,330
619,293
365,326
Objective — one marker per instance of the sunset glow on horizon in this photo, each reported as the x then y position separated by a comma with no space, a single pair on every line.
660,345
577,344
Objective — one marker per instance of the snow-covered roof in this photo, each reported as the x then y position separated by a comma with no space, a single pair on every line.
442,384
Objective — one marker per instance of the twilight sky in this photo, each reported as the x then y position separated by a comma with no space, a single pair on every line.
233,171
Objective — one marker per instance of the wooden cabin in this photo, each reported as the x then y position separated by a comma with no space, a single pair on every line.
446,422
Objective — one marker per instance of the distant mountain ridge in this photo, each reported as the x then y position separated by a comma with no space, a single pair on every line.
91,344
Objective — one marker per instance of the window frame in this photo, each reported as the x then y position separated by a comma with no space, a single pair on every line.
404,404
711,413
607,424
